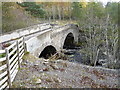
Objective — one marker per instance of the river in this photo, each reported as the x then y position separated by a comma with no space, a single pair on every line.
74,55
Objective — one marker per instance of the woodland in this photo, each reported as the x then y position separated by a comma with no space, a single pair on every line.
99,25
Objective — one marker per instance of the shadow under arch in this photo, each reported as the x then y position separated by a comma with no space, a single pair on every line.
69,42
47,52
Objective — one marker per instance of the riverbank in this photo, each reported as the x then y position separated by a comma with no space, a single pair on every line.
43,73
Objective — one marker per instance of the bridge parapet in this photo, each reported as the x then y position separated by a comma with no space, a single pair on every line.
25,31
62,29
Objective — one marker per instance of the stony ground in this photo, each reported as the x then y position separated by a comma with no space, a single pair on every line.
42,73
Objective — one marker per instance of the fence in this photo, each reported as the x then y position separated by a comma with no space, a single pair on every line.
10,61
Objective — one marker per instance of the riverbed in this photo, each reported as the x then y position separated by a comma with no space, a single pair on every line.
74,55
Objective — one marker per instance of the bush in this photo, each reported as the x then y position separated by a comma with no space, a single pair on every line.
114,65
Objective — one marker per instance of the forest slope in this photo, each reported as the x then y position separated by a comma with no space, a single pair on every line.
14,17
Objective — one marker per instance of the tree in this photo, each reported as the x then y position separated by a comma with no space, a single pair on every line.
101,34
33,9
76,10
112,9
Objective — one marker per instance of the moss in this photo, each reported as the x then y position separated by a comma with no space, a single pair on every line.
2,55
48,80
70,86
34,79
29,57
27,52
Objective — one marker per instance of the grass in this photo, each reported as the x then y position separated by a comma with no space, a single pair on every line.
63,22
29,57
15,17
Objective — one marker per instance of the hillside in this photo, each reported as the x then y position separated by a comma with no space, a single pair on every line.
14,17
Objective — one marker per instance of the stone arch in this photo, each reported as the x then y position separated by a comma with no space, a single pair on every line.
69,41
48,51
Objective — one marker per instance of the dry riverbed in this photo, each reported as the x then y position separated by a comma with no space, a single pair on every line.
42,73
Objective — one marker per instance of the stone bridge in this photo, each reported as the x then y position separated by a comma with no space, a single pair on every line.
52,39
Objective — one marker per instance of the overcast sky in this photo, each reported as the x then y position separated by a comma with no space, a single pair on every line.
105,1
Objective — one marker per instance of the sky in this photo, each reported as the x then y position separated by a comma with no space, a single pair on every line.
105,1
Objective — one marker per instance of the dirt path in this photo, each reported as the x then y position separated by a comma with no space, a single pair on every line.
41,73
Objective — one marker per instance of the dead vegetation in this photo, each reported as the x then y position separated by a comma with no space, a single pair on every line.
44,73
58,55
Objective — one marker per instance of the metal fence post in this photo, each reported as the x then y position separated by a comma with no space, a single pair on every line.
8,67
18,53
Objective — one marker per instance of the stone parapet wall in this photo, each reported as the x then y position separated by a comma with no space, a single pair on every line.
22,32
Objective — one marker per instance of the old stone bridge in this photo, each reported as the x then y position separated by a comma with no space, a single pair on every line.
42,41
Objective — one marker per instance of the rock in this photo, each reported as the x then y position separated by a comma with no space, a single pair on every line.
44,74
105,53
105,65
41,71
101,61
56,75
46,60
52,61
45,63
62,69
45,69
40,86
54,67
58,61
64,64
36,64
71,55
38,81
57,80
24,64
49,80
27,61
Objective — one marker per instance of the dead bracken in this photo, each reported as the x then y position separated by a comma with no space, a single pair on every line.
62,73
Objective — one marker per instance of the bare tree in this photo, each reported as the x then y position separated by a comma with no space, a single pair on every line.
59,11
53,12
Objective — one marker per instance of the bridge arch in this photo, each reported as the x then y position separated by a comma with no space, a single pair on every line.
69,41
48,51
56,38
